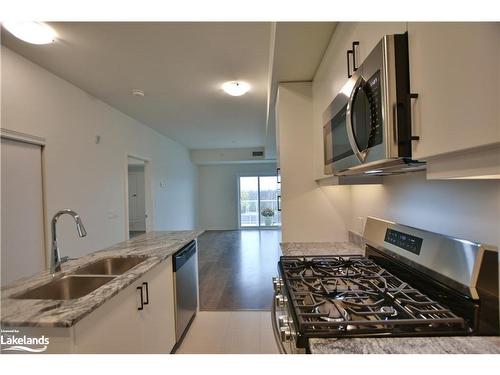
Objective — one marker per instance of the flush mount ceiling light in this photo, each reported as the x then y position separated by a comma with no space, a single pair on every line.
31,31
137,92
236,88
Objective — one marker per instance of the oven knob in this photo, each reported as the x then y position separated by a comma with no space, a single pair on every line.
280,300
285,334
284,320
277,284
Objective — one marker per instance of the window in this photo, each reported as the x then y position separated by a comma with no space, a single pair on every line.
258,201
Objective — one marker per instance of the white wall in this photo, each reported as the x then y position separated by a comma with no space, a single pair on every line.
218,193
227,155
463,208
309,213
468,209
86,176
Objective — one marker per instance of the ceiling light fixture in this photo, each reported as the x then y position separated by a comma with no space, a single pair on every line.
236,88
31,31
137,92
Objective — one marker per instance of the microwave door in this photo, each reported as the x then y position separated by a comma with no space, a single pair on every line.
343,155
355,118
363,117
328,148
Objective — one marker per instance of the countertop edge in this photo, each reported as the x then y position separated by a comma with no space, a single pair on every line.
407,345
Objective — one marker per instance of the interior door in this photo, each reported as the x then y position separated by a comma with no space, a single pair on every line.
136,201
23,250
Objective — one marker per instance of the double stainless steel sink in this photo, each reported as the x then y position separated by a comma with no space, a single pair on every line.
83,280
110,266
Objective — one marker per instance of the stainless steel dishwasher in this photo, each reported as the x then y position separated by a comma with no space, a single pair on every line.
186,290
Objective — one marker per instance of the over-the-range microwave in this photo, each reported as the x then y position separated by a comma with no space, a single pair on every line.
368,125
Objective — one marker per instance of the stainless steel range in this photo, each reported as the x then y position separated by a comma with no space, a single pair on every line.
409,283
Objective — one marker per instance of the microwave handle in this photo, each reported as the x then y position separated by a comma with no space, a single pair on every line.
361,155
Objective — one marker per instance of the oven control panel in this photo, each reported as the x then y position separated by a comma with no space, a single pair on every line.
404,241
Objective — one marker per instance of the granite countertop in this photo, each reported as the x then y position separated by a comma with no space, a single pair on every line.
156,246
407,345
320,248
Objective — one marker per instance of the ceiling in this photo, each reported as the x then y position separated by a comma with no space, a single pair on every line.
181,66
298,48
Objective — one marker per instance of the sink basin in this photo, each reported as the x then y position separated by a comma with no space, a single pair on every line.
66,287
110,266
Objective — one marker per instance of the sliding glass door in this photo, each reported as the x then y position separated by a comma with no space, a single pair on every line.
258,201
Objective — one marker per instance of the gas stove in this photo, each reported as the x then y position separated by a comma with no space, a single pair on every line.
405,285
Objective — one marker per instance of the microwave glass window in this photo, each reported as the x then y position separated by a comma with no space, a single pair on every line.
340,142
367,114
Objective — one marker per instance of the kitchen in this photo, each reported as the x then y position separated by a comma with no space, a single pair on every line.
305,188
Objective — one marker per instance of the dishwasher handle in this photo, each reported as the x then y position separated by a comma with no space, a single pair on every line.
183,255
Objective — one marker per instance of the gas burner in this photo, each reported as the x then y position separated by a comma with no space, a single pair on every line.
353,294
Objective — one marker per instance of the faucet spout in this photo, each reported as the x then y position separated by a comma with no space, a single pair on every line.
55,264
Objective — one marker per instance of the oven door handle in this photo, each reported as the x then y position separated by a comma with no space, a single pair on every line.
361,155
276,333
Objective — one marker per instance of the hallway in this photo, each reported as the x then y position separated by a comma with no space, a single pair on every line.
236,269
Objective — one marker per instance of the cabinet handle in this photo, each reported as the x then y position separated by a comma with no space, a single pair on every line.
349,52
354,44
139,288
413,137
278,202
146,302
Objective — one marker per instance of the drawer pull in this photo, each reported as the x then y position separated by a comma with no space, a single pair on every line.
139,288
146,302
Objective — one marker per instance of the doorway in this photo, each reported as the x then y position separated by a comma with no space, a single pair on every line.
137,196
258,202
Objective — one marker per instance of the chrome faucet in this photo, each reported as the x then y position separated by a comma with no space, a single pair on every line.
55,264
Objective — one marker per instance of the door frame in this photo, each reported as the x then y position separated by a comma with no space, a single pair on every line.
148,193
238,208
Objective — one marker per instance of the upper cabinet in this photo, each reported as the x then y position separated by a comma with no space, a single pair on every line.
454,68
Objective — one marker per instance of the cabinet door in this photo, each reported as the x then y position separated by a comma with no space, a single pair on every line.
454,67
369,34
115,327
159,313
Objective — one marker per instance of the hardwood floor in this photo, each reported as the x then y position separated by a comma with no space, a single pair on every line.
135,233
236,269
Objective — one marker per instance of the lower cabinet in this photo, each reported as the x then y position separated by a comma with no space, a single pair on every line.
125,325
120,325
159,315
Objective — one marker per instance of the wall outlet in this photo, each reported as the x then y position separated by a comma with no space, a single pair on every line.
163,184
